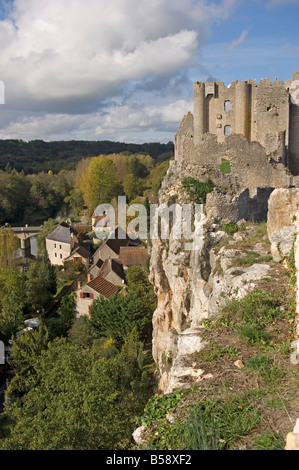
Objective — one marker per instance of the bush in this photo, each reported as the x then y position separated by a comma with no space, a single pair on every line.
196,190
230,229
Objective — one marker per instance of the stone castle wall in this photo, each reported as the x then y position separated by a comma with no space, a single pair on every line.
266,115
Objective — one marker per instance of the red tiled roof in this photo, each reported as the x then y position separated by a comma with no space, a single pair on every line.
103,287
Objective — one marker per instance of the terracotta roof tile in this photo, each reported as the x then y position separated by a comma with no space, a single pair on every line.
103,287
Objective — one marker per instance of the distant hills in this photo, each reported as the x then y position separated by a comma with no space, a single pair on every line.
37,155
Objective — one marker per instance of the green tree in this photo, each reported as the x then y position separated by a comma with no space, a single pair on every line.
136,167
58,327
12,301
138,282
99,184
15,195
48,227
133,186
78,399
81,333
75,201
40,284
119,315
26,350
9,243
156,176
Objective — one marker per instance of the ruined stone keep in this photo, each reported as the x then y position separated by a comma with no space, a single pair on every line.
245,118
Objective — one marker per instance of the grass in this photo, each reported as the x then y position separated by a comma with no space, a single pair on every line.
210,424
269,440
258,309
253,336
266,369
225,167
213,351
251,258
217,424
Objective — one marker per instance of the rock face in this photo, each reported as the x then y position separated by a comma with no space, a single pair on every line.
282,215
193,285
292,441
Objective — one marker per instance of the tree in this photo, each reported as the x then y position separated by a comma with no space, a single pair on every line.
26,350
48,227
119,315
78,399
59,326
80,333
138,282
136,167
15,195
133,186
156,176
9,244
40,284
12,301
75,200
99,184
50,274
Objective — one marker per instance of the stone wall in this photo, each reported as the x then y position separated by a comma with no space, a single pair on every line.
250,165
265,113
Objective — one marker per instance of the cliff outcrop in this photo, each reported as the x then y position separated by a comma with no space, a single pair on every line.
193,285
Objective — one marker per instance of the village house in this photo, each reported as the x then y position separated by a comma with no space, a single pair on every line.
112,270
110,247
94,289
79,254
63,244
60,243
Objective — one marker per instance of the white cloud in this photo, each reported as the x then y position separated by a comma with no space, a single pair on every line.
62,59
239,41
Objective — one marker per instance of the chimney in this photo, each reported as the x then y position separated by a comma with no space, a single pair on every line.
79,284
88,277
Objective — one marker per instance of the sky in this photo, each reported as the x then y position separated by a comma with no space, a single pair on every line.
123,70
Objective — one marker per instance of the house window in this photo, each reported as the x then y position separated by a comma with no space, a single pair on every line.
55,255
227,130
60,246
86,295
54,245
227,106
60,256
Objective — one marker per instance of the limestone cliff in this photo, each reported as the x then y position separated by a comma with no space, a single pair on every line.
191,286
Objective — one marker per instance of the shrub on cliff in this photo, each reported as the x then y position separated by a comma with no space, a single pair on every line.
197,190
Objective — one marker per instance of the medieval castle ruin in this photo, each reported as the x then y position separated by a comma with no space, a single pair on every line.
255,126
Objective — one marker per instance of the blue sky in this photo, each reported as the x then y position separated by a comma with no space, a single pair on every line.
123,69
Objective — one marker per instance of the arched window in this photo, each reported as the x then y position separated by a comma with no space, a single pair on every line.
227,106
227,130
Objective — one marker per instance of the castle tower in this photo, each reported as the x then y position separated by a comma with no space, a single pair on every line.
242,110
199,112
294,124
